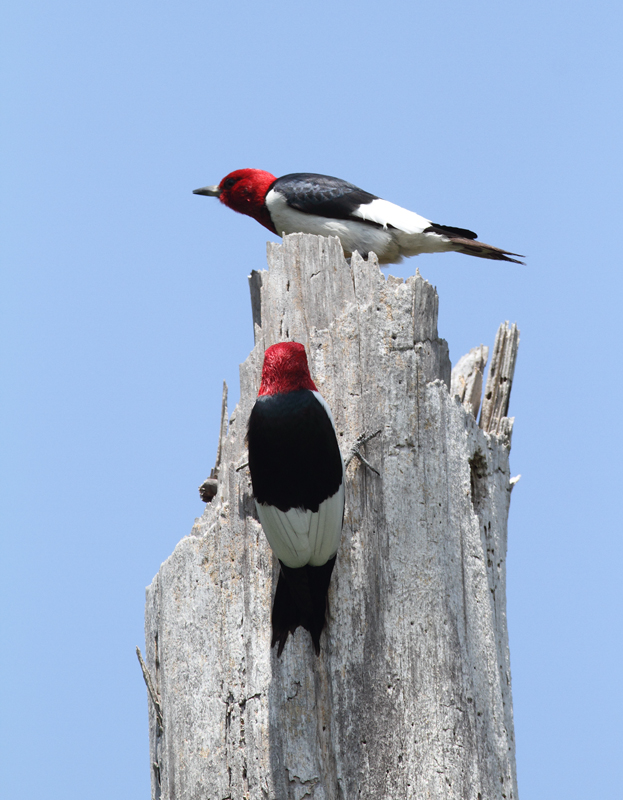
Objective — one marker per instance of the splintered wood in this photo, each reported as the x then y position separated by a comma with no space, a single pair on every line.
500,378
410,697
467,377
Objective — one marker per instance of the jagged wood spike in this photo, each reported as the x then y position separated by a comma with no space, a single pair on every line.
500,380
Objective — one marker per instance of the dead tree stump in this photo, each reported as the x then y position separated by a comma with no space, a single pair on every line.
411,695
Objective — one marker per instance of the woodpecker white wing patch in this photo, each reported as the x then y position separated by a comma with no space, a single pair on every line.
406,227
298,537
325,530
385,213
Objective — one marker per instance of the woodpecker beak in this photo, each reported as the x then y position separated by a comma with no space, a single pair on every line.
209,191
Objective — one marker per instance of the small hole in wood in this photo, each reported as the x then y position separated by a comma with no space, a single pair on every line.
478,480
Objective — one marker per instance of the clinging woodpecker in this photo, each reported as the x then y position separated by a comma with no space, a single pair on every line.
297,474
304,202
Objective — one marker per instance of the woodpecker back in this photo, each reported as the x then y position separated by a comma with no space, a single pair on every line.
297,475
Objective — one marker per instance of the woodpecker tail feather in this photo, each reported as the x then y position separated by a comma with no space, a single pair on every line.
482,250
465,242
301,599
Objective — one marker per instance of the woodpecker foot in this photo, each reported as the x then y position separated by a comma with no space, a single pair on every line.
355,452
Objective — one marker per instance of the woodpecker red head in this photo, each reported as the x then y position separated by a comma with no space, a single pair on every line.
304,202
297,475
285,369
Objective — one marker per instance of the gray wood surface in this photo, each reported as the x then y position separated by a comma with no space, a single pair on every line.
467,377
411,695
500,380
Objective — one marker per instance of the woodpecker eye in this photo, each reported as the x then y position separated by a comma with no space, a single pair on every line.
229,183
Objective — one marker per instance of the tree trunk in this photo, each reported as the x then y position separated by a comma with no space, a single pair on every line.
410,696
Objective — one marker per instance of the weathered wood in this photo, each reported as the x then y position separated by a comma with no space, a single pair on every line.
151,689
466,382
410,697
500,381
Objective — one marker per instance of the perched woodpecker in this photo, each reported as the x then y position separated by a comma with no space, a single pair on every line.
307,203
297,474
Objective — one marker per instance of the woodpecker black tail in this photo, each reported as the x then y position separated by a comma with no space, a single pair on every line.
301,599
466,243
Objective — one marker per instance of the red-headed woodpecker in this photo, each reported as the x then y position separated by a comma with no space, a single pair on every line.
307,203
297,474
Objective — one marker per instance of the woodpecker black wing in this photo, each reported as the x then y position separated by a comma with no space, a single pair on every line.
294,457
322,195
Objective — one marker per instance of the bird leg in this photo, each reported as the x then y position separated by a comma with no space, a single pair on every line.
355,452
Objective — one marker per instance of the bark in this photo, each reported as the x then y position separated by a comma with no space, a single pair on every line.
411,695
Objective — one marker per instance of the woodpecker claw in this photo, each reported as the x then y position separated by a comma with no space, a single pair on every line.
355,452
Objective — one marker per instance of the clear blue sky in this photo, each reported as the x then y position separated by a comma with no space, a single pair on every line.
125,304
